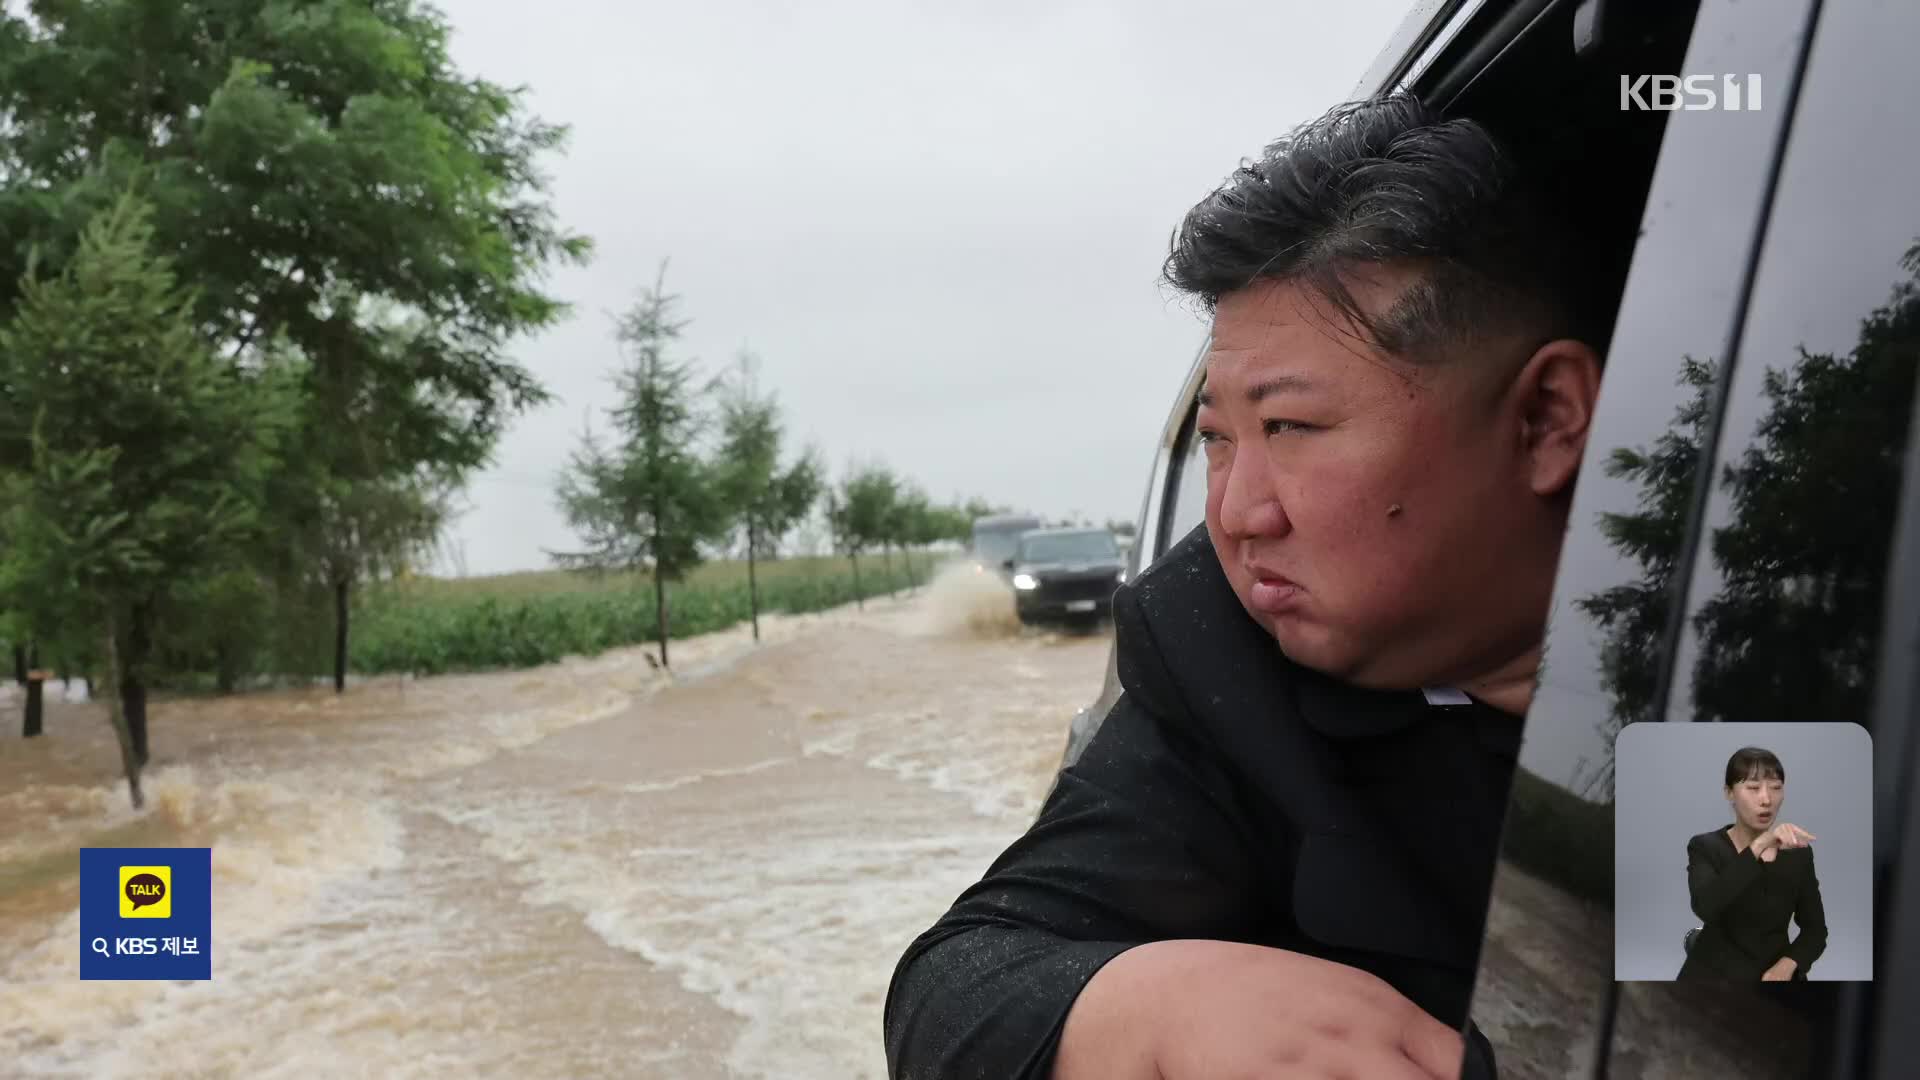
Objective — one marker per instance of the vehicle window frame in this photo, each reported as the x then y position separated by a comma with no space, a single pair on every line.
1175,442
1422,34
1897,756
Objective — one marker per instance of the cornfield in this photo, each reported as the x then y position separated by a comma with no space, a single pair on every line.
430,626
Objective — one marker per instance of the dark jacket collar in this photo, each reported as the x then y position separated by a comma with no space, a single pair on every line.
1328,706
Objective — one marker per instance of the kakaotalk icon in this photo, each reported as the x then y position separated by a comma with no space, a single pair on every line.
146,892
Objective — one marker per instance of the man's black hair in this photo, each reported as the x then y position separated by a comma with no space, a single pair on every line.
1389,181
1754,763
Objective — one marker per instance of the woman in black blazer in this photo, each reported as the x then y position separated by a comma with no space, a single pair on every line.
1747,878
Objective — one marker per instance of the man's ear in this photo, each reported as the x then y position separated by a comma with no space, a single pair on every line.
1555,392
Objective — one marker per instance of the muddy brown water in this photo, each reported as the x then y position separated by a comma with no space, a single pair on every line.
589,870
581,869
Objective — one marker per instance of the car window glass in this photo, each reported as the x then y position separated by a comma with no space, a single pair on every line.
1545,984
1786,601
1061,547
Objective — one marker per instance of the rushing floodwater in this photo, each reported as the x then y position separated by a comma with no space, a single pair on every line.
587,870
575,870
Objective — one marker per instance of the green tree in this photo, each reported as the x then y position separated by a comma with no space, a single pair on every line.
760,499
293,149
225,620
38,617
648,501
29,610
374,484
839,541
977,508
863,508
371,527
910,525
321,169
955,524
137,459
15,629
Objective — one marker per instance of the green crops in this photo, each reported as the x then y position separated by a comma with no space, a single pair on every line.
524,620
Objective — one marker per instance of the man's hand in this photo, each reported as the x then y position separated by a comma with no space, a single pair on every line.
1201,1010
1781,971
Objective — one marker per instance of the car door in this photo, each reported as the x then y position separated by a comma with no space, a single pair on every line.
1731,553
1792,591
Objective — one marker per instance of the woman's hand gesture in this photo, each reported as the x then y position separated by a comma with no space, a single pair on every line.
1782,835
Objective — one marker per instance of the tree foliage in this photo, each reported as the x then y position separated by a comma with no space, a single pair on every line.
648,500
330,184
759,494
293,149
137,456
759,497
1790,623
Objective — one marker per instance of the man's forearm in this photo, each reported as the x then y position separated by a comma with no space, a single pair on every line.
984,1001
1103,1037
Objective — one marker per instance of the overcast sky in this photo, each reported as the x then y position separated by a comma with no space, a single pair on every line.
938,226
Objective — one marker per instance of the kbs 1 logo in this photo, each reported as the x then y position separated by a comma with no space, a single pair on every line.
1693,93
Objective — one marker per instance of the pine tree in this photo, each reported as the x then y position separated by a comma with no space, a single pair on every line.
760,499
648,501
132,458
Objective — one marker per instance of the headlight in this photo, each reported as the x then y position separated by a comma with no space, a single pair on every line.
1025,581
1122,576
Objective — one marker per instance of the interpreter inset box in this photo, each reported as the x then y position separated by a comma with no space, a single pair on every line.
1743,852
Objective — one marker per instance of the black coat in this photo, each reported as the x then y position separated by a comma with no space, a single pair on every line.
1230,795
1743,904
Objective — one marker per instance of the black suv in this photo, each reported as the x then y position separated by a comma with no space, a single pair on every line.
1745,540
1065,575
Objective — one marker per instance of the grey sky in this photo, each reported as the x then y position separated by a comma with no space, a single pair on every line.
939,226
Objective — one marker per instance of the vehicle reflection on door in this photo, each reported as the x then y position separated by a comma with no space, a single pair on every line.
1788,591
1545,991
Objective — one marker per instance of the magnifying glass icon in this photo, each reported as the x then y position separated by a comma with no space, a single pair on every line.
100,946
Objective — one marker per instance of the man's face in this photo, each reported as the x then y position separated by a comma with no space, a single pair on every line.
1383,521
1756,801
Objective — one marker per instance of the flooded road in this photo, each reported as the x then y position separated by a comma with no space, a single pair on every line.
583,869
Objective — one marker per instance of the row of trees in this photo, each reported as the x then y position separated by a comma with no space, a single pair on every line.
697,467
259,276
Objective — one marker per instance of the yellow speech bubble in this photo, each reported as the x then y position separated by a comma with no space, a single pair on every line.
146,892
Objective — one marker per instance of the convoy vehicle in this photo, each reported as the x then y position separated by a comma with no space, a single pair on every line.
1065,575
996,538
